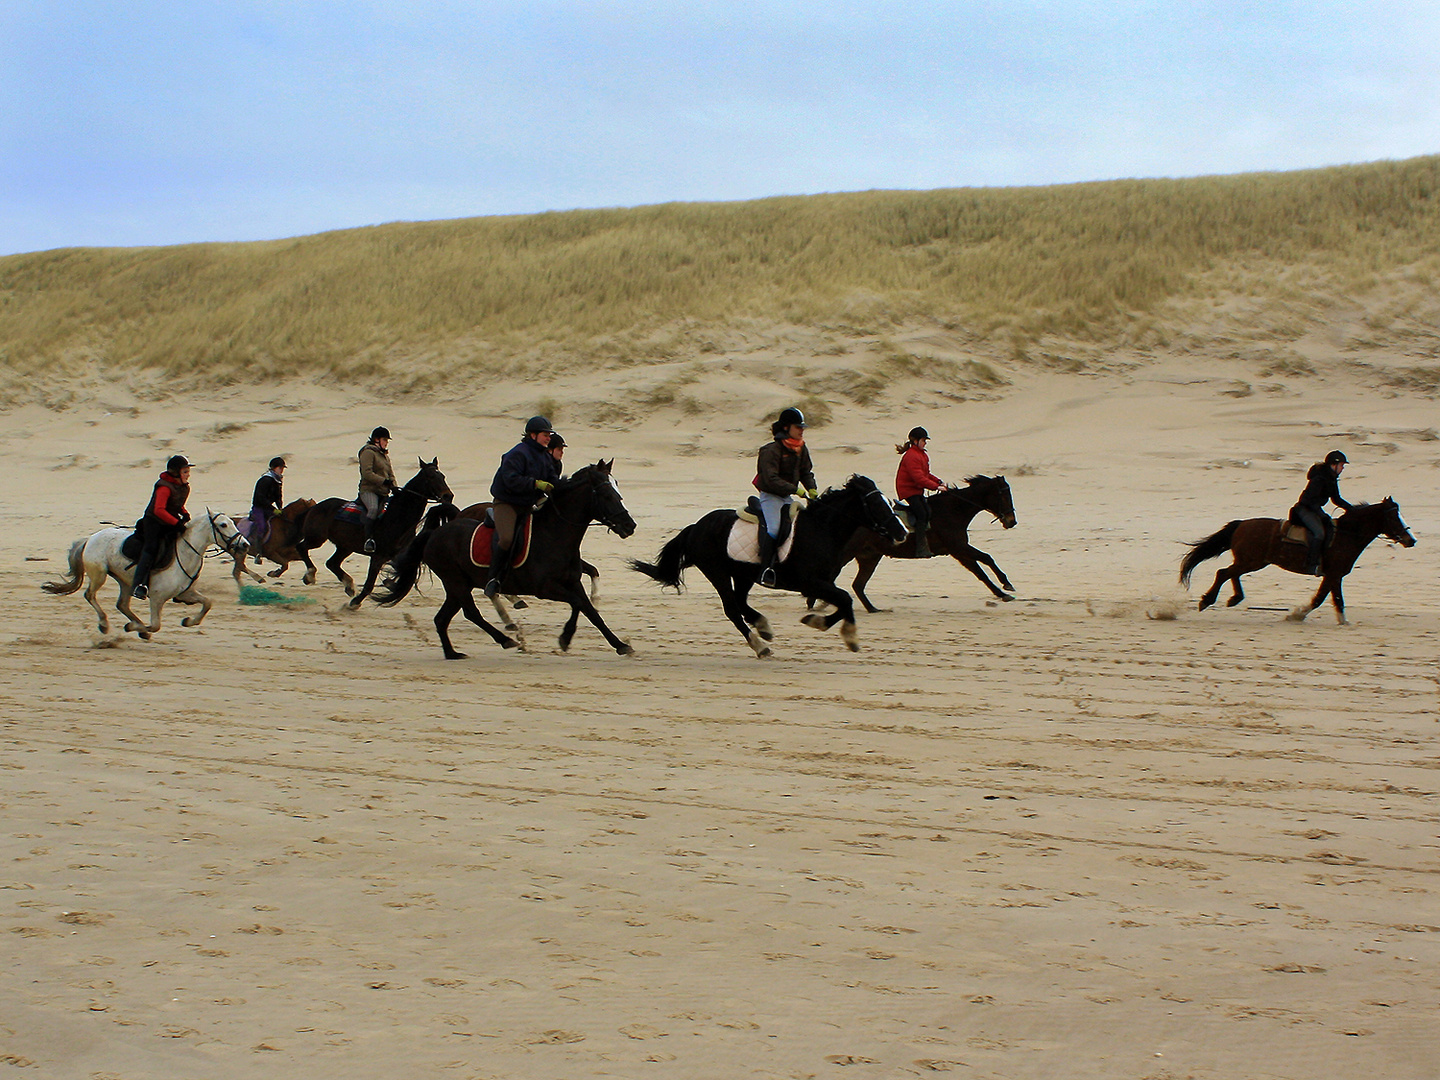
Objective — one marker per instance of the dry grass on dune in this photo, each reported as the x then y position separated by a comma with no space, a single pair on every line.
1008,267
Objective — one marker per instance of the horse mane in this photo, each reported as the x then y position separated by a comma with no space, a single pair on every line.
980,478
578,478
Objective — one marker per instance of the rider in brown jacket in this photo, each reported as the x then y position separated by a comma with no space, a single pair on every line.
377,481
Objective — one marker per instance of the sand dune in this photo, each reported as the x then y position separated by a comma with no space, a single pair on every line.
1065,836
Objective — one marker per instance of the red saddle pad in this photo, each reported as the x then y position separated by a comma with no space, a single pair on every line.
480,544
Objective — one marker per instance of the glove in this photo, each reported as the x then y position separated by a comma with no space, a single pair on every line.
813,493
544,486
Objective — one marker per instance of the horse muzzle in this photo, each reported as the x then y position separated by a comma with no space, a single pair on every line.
1008,521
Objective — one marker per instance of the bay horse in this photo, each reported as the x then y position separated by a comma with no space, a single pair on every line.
1256,542
98,557
951,513
477,512
821,533
279,543
393,531
551,571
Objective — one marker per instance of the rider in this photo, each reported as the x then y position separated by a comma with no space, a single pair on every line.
557,449
527,471
267,500
912,480
783,473
165,515
1322,485
377,481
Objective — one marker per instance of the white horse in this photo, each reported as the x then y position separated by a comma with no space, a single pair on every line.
98,557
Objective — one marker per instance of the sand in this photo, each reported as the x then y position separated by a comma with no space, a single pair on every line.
1088,833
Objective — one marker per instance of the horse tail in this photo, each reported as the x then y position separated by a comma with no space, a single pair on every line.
1213,546
77,573
669,566
405,567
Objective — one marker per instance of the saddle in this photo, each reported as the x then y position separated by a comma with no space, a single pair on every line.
481,539
743,544
132,545
1292,532
352,512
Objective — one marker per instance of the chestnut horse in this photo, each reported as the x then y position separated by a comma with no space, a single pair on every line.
279,543
1256,542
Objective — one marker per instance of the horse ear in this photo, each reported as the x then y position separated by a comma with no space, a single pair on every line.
435,462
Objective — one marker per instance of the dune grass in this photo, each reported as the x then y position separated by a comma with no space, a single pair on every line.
1089,262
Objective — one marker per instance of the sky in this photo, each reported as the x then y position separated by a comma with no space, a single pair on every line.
165,122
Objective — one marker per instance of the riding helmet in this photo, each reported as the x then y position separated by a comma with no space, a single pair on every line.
918,433
556,439
379,433
277,463
1336,456
176,463
537,425
789,417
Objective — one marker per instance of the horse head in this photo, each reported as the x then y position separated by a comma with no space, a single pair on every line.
1393,526
880,516
430,482
992,494
224,533
606,505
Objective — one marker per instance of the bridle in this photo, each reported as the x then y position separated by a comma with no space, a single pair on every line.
602,520
227,544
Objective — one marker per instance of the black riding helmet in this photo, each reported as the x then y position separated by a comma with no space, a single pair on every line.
918,433
1336,456
379,433
277,463
787,418
556,439
537,425
176,463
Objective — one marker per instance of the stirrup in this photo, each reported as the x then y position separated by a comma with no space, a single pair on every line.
369,548
492,588
767,576
140,592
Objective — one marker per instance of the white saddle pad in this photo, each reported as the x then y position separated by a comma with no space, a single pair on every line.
744,543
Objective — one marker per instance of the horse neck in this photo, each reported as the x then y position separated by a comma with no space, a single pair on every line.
570,511
409,510
195,541
966,505
1361,526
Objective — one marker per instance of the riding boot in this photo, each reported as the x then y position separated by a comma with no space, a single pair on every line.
140,586
1314,558
922,543
768,548
499,565
369,548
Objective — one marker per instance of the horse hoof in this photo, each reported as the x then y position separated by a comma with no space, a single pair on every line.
509,644
624,649
187,621
456,656
763,654
520,603
1003,596
815,621
144,635
354,604
848,635
1298,615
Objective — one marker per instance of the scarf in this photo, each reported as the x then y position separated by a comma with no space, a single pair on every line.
793,444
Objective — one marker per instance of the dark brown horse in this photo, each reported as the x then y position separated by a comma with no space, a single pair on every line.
1256,542
550,572
477,512
279,544
951,513
393,531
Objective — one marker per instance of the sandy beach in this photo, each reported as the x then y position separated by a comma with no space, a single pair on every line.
1088,833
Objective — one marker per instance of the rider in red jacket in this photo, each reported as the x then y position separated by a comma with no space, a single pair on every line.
912,480
164,515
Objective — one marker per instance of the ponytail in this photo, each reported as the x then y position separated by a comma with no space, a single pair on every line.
901,447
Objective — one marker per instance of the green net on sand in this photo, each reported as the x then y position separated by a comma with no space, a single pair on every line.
258,594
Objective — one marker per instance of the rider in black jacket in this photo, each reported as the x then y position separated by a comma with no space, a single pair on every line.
1322,486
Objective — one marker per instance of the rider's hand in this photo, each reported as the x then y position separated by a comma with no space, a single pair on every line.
544,486
813,493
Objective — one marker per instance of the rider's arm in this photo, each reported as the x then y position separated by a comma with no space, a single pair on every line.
160,508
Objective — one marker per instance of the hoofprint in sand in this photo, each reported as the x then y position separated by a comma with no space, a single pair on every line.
1093,832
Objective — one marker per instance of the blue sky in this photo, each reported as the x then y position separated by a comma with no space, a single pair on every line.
160,123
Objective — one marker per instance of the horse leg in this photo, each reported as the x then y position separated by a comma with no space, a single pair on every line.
866,565
988,561
447,611
758,621
968,557
280,569
191,596
1237,594
734,600
844,613
567,633
144,630
1224,574
302,552
333,564
467,605
376,562
507,620
91,589
578,599
242,568
1339,601
1299,613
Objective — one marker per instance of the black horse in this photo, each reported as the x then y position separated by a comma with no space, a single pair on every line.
821,533
551,571
394,529
951,513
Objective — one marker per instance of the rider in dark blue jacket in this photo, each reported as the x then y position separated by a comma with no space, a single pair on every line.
1322,485
527,471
